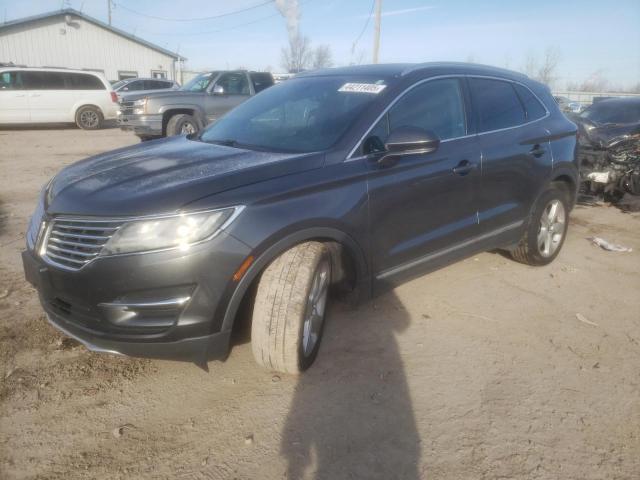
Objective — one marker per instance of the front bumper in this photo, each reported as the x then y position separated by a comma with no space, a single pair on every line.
167,304
148,125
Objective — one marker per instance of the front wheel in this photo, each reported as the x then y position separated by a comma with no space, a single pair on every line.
182,124
547,228
289,309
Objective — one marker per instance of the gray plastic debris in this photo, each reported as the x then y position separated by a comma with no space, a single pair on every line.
612,247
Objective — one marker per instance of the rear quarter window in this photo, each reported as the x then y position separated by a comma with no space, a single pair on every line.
533,108
496,103
261,81
84,81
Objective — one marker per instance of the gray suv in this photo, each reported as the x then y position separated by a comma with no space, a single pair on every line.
189,109
343,181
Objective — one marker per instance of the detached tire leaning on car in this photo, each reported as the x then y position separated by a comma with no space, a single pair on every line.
182,124
289,309
89,118
547,228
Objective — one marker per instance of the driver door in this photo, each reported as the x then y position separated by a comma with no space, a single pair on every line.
423,207
235,90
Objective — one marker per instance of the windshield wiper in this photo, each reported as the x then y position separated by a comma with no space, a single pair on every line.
227,142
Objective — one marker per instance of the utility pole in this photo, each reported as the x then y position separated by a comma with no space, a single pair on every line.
109,9
376,31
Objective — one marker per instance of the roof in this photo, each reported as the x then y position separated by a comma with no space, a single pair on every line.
400,69
70,11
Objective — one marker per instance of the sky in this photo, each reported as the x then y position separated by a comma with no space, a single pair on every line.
591,37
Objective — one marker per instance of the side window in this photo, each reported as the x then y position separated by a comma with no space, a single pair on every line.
44,80
137,85
533,107
10,81
436,105
156,85
261,81
496,103
82,81
234,83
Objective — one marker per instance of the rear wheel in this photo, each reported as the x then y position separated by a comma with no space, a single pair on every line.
89,118
289,309
547,228
182,124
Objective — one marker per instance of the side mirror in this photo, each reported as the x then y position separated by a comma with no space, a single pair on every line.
125,88
408,141
218,90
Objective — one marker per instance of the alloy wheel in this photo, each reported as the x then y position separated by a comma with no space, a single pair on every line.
315,310
552,228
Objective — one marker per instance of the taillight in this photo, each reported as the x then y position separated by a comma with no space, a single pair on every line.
114,97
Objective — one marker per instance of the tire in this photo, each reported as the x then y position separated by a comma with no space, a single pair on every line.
181,124
89,118
290,307
547,228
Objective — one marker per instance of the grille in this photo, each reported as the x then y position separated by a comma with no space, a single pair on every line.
74,243
126,108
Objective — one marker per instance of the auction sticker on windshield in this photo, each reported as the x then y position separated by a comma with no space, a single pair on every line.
362,88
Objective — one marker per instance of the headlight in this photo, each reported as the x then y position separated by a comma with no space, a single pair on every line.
176,231
35,222
140,106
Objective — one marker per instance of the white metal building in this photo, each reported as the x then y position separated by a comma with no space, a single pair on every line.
69,38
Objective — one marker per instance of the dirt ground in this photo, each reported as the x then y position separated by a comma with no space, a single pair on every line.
481,370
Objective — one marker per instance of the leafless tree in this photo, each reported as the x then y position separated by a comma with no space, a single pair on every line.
547,71
544,72
298,56
530,67
322,57
595,83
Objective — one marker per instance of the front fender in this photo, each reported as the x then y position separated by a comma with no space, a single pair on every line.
229,311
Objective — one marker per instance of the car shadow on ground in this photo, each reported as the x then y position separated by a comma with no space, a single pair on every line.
56,126
351,414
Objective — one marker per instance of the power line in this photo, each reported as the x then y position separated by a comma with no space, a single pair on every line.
228,14
366,24
224,29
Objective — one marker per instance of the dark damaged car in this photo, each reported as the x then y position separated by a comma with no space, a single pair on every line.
609,140
348,180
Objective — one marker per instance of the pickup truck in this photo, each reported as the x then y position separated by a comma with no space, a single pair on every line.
201,101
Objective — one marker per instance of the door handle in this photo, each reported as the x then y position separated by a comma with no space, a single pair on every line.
537,151
464,167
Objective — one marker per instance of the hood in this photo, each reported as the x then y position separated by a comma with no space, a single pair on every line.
598,136
163,176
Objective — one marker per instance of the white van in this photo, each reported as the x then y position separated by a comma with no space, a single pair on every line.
55,95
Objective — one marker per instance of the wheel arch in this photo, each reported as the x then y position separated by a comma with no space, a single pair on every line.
83,105
570,179
178,110
351,255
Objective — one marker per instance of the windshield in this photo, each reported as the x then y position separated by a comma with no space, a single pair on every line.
118,84
299,115
613,112
199,83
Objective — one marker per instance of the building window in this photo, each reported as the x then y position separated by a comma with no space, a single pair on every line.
124,74
158,73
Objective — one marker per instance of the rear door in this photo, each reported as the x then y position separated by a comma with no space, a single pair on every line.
420,208
49,98
236,90
516,154
14,99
